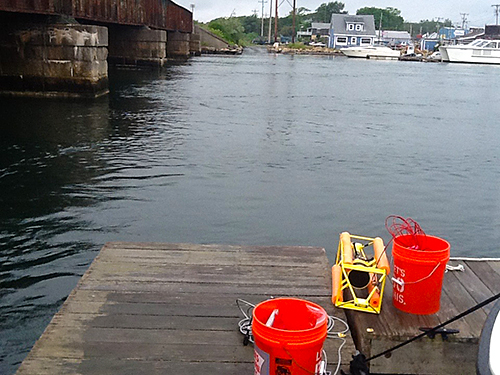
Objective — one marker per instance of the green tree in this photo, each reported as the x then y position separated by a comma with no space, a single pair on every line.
324,11
230,29
426,26
391,17
251,24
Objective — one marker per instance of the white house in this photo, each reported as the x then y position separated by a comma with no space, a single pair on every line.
348,30
316,29
394,38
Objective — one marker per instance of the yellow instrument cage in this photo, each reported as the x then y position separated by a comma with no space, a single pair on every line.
358,280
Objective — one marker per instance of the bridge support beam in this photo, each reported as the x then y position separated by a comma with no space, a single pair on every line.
177,45
137,46
63,60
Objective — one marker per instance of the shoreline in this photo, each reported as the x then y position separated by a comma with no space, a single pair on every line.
304,51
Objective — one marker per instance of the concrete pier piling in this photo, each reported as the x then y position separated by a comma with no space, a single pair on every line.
60,60
137,46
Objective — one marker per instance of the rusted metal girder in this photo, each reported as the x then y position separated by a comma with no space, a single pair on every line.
158,14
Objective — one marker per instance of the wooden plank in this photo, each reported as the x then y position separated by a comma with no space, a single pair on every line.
474,285
495,265
269,290
100,366
245,272
488,272
208,351
463,301
194,299
174,257
213,248
171,308
189,276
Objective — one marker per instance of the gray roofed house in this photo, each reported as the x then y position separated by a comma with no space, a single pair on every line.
393,38
317,28
320,28
352,30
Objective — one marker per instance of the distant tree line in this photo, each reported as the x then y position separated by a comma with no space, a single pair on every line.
242,30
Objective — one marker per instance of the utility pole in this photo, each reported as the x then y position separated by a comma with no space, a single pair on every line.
276,23
293,21
380,28
270,19
464,19
262,18
496,12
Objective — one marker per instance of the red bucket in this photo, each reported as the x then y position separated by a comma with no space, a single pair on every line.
289,334
419,266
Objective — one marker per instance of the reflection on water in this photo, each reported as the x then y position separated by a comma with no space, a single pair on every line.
256,149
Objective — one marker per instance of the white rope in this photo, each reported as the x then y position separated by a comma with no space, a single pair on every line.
245,324
337,335
460,268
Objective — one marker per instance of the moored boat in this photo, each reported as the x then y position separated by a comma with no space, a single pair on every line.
480,51
371,52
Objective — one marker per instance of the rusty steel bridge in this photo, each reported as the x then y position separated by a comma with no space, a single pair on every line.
64,47
157,14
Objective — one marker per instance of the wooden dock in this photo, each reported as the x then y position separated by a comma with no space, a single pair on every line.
150,308
455,354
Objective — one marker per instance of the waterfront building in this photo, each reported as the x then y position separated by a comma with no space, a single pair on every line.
349,30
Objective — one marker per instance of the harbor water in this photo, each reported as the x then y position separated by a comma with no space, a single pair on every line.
256,149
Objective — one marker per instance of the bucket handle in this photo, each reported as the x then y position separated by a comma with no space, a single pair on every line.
402,283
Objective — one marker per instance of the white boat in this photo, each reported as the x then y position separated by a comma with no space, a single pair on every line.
371,52
444,53
488,361
481,51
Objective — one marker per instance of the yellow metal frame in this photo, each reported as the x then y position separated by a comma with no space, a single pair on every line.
372,303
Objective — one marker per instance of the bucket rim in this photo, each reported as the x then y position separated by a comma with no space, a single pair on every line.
432,261
396,241
263,326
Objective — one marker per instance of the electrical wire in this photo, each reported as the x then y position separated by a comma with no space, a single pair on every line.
245,324
337,335
399,226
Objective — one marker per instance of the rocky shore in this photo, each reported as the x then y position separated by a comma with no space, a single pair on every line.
303,51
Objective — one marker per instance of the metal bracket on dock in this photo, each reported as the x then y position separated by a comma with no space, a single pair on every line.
444,332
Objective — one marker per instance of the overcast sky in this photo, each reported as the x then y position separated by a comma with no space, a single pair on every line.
479,13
